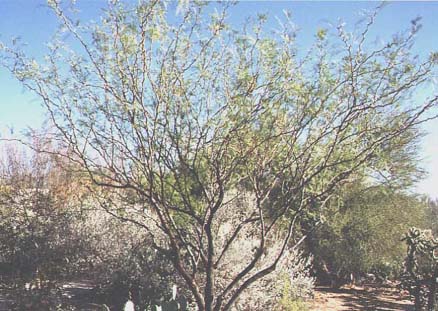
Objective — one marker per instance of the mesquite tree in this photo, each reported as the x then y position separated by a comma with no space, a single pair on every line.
184,118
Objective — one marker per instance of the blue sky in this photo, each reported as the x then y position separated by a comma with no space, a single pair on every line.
34,23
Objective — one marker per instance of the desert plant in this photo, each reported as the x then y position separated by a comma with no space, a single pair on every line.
421,269
38,214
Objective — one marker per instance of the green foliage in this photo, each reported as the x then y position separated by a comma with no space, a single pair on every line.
321,34
431,215
362,233
293,305
291,299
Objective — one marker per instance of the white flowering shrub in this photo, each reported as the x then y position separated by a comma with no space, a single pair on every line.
291,279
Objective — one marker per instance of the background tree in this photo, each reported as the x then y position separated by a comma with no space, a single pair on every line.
355,238
363,235
431,214
182,117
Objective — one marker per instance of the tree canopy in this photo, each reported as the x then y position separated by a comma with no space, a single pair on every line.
189,121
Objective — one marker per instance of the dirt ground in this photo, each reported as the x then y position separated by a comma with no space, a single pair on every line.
357,298
360,298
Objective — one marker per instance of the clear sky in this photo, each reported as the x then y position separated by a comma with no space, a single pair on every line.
34,23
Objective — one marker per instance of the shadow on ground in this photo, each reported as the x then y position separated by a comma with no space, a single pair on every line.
367,298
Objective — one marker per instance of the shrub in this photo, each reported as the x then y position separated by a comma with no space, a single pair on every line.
293,305
289,283
39,209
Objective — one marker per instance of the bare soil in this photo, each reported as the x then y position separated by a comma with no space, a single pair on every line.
361,298
355,298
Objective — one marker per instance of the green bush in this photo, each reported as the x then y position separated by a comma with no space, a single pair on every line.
292,295
293,305
356,239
